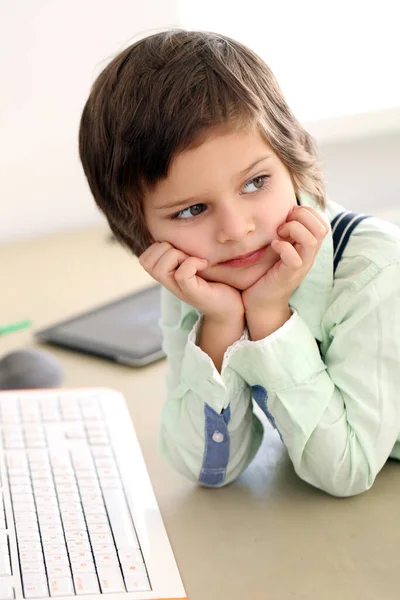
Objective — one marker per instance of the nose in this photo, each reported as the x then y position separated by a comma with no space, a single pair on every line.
234,225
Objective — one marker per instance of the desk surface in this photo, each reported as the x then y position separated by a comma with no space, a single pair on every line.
267,536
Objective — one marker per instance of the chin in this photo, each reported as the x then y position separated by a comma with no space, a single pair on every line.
246,281
240,280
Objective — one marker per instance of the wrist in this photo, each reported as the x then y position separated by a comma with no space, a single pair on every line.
227,318
262,323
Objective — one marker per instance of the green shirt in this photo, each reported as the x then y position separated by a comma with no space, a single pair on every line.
328,379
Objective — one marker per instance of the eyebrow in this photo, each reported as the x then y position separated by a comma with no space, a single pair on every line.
187,201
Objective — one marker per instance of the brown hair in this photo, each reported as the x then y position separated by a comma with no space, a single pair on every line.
162,95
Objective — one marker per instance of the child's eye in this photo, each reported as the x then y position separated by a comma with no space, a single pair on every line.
191,211
259,183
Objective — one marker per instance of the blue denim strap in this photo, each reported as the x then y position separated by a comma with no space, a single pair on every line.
217,443
260,396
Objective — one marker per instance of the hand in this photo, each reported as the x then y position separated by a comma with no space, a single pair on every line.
300,239
178,272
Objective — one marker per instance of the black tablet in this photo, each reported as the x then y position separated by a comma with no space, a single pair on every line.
126,330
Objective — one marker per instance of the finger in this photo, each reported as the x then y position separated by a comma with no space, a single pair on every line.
298,233
291,260
167,264
310,219
153,253
186,275
160,261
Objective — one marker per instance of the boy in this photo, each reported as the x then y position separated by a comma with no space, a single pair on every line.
202,170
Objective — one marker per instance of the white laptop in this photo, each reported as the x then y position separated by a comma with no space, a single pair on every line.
78,515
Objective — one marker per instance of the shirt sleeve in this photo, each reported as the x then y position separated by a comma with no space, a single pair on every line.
338,416
208,431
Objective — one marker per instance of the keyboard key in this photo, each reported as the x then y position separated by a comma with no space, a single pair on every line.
64,478
60,459
110,483
86,583
130,556
84,566
26,527
76,535
20,480
80,555
51,549
87,481
44,481
53,528
98,528
96,518
67,487
101,452
21,516
29,547
71,497
99,548
36,590
54,560
74,524
61,586
18,471
32,567
35,442
59,571
99,440
5,564
46,500
17,459
62,470
110,580
78,545
23,497
34,578
50,538
21,507
6,591
20,489
103,560
136,581
106,472
94,505
120,519
28,537
51,517
71,515
33,556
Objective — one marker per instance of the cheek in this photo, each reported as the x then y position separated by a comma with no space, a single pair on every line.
191,242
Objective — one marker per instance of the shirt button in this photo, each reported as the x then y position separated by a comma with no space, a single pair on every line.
218,437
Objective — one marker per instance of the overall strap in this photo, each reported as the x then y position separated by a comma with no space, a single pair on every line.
342,226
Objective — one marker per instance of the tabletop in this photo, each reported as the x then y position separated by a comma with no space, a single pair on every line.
268,535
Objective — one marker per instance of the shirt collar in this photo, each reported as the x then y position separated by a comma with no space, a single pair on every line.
311,298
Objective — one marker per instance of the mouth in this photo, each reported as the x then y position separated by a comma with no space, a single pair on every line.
246,259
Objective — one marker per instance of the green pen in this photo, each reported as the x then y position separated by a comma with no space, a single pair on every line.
15,326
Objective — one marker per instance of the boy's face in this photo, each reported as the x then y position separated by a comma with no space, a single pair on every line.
214,204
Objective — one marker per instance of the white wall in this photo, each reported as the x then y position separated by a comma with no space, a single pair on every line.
329,61
331,57
50,53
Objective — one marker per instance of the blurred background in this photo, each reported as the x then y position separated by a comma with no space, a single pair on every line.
337,63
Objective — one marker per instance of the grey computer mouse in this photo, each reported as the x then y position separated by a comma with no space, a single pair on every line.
28,368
